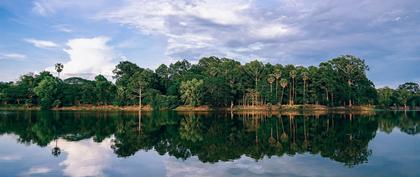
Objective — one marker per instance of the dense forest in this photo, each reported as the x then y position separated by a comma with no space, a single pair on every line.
213,81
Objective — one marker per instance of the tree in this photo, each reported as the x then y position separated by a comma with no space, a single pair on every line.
305,77
59,68
271,80
351,69
104,90
292,94
163,73
191,92
139,82
216,92
283,84
411,87
385,96
254,70
277,76
123,72
46,91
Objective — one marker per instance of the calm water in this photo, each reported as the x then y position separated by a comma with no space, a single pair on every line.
170,144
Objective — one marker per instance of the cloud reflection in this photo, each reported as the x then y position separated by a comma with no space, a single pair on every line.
283,166
85,158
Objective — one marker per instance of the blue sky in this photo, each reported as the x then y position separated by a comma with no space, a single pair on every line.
90,37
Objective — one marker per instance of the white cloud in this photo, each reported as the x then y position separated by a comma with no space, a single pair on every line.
10,157
12,56
51,7
63,28
85,158
272,31
37,171
88,57
299,165
204,26
41,9
41,43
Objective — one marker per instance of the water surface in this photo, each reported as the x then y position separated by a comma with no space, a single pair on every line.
216,144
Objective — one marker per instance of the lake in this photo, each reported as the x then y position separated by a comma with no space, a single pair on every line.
214,144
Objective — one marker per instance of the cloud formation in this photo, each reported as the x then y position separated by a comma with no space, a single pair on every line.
37,171
41,43
12,56
88,57
297,31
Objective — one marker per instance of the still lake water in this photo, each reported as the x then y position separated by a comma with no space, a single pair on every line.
218,144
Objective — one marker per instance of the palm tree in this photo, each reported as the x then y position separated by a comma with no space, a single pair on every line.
283,84
270,80
277,75
59,67
305,77
293,76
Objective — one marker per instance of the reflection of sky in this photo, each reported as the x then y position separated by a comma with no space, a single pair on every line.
395,154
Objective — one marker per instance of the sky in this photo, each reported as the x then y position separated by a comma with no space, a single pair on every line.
91,37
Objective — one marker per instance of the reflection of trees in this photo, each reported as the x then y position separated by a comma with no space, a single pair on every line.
190,128
213,137
56,151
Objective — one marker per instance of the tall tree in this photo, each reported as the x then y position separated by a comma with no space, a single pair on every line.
59,68
254,70
46,91
283,84
123,72
292,94
277,76
350,68
140,81
305,78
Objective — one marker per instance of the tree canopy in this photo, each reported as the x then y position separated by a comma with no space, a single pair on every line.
216,82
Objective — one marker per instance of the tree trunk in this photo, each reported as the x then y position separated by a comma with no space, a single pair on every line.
281,97
256,83
349,82
140,99
231,105
304,98
277,94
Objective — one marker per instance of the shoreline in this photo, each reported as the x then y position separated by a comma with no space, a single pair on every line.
239,109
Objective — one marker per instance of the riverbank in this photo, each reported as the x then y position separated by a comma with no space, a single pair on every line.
261,108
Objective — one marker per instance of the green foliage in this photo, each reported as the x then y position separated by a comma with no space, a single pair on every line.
104,90
47,91
191,92
217,82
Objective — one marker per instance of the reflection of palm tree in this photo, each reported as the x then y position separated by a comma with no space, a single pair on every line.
56,151
283,136
271,140
305,142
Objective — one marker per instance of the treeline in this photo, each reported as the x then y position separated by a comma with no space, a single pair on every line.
406,95
216,82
